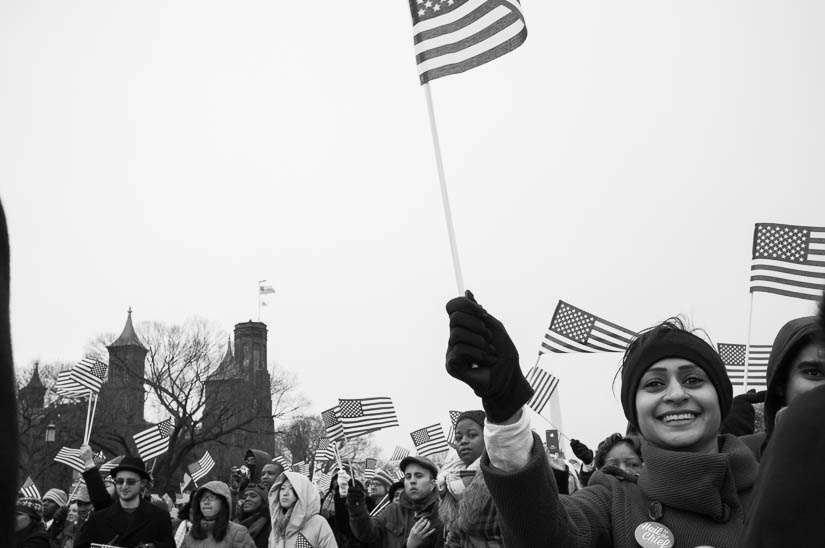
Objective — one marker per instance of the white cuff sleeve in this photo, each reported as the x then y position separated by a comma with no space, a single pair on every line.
509,445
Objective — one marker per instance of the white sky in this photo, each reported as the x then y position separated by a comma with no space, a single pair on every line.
166,157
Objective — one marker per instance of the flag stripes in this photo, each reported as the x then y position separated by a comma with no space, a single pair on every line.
325,450
198,470
71,458
452,36
154,440
332,423
89,373
733,356
369,468
788,260
544,384
29,489
362,416
283,461
67,386
574,330
399,453
429,440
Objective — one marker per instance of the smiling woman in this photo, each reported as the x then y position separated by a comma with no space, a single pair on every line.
695,485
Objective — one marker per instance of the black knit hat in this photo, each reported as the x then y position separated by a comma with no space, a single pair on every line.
477,416
670,341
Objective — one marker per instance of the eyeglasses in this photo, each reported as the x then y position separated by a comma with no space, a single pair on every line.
209,497
127,481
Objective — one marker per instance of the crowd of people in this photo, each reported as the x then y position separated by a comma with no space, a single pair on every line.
685,473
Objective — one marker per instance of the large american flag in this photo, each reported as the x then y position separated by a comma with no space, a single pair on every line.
574,330
67,386
788,260
544,384
332,423
453,36
199,469
362,416
154,440
733,356
429,440
89,373
29,489
71,458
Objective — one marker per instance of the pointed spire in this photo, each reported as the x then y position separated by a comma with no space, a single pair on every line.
228,357
35,381
128,337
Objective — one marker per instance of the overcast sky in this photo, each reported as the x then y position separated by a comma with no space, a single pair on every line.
167,156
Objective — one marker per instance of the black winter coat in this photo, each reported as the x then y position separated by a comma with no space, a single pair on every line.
111,526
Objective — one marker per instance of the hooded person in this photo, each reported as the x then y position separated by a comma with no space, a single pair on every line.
249,474
294,505
796,365
255,459
254,515
211,526
29,530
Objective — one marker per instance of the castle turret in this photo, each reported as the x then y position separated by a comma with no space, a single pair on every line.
123,394
34,393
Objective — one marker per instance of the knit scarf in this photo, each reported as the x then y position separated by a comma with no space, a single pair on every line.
711,483
282,520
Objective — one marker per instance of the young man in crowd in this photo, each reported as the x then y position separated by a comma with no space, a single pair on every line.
412,522
131,521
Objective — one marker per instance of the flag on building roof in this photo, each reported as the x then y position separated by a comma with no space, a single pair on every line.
544,384
788,260
265,289
429,440
154,440
283,461
71,458
29,489
733,356
399,453
106,469
332,423
201,468
362,416
89,373
574,330
452,36
369,468
325,450
68,387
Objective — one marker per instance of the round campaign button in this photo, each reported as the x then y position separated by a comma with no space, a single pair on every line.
651,534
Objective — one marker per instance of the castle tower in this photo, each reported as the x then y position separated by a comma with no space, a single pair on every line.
250,352
33,395
123,393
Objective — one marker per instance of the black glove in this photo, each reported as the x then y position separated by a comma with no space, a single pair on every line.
356,494
752,396
582,452
481,354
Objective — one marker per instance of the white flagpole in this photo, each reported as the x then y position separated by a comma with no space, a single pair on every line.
445,199
748,342
92,419
88,414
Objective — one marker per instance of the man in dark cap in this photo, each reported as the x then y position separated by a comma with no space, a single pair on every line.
132,521
411,522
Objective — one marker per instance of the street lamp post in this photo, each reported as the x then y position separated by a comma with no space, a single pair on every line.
50,432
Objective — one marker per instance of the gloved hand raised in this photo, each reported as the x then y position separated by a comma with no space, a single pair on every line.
582,452
356,494
481,354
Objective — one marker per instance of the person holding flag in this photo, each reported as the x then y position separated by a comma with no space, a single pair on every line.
695,486
131,521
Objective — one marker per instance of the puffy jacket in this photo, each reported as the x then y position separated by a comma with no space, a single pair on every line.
306,527
236,535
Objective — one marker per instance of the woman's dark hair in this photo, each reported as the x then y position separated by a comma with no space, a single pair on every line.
221,520
613,440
